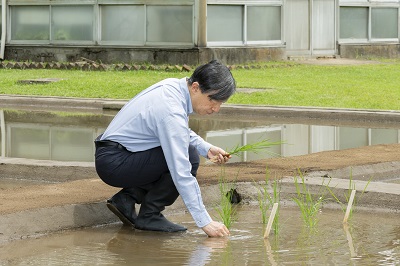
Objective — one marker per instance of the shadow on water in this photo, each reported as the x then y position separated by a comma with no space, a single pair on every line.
370,239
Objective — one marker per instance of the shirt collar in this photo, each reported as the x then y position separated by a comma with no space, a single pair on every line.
185,90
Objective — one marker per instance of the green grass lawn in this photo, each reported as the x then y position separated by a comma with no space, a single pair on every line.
366,86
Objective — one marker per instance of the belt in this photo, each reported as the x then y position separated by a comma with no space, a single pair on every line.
108,143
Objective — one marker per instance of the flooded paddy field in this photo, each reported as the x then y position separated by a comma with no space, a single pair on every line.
370,238
47,181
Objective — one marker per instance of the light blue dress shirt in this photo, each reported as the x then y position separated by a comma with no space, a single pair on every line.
159,116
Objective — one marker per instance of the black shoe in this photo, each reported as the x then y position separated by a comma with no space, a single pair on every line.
123,203
157,222
163,193
124,218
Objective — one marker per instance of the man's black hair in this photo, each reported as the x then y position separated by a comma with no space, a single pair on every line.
216,79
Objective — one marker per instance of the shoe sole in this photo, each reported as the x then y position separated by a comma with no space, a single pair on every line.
122,217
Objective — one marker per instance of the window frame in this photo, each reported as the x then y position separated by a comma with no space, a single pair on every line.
127,43
24,42
369,4
74,42
166,44
265,42
245,5
1,21
385,39
96,26
145,43
227,43
17,3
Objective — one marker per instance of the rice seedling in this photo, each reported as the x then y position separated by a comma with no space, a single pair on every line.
226,209
309,204
266,199
253,147
346,195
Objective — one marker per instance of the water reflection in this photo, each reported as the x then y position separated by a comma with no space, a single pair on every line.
349,240
193,250
371,239
269,252
69,136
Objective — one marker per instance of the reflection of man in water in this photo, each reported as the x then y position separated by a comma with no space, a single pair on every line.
149,150
170,251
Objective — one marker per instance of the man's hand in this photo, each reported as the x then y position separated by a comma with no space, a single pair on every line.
216,229
218,155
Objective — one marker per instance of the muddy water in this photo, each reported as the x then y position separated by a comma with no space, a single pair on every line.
370,239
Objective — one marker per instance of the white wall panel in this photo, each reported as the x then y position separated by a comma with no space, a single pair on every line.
323,25
297,27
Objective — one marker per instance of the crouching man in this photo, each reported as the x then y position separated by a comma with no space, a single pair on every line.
150,152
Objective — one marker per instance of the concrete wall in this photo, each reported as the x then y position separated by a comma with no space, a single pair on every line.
242,55
368,51
190,56
172,56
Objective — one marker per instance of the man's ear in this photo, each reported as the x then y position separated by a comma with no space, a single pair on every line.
195,86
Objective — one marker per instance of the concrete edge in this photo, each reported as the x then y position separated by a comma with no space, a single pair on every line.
99,105
37,222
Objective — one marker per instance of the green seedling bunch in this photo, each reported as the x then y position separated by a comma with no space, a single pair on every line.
352,186
266,199
309,204
226,209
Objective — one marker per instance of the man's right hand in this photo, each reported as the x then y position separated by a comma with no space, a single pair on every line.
216,229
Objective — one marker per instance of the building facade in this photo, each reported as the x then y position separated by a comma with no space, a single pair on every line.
195,31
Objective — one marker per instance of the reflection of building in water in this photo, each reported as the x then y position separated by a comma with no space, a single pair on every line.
51,143
301,139
49,136
69,136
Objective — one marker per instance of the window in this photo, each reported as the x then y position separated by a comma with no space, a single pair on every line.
123,23
224,23
354,23
147,24
263,23
72,23
370,23
139,23
244,24
68,23
384,23
169,24
30,23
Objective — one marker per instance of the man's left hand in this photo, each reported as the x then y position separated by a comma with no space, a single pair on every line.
218,155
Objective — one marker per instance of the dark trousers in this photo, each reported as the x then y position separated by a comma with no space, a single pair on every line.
119,167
